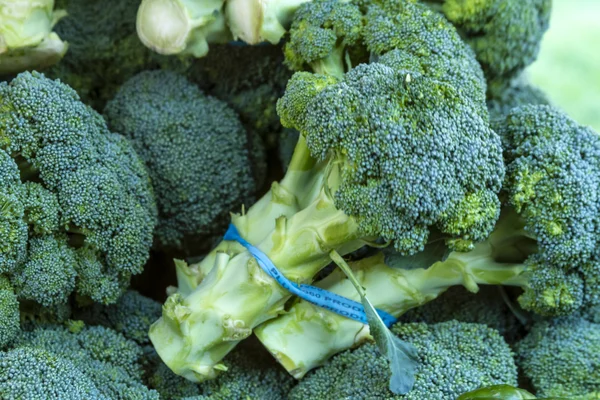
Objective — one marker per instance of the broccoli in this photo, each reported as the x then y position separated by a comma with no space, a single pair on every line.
170,122
26,37
454,357
505,34
393,154
78,209
561,357
252,91
515,93
9,313
251,374
83,362
104,50
545,242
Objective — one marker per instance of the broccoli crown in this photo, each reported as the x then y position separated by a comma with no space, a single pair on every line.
170,122
486,307
412,152
553,183
131,315
561,357
9,313
516,93
454,358
104,48
251,374
78,209
252,91
83,362
505,35
322,30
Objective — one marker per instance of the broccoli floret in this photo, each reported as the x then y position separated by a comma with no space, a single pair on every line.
252,90
505,35
78,209
170,122
561,357
131,315
9,313
104,48
454,358
553,183
92,362
486,307
516,93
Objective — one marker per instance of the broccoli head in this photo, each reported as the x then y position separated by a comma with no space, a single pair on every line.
170,122
454,358
78,209
561,357
505,35
553,184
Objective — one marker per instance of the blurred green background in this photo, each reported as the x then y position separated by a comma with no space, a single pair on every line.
568,66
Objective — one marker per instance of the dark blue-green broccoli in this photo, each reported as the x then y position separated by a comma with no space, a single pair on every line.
486,307
561,358
78,209
78,363
514,94
453,358
553,187
250,79
9,313
104,48
505,34
199,156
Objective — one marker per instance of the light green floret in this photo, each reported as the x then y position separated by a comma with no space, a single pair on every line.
454,358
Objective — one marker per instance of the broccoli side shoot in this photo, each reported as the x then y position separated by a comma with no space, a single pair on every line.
198,154
78,208
453,358
561,357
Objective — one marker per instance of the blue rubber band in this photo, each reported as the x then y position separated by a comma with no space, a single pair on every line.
317,296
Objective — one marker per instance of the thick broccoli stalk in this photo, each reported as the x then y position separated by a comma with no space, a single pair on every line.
368,189
453,358
169,122
306,336
255,21
561,357
182,26
26,37
78,210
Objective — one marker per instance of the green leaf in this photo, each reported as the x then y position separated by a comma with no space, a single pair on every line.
401,355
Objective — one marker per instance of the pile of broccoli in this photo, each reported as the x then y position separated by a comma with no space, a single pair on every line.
391,152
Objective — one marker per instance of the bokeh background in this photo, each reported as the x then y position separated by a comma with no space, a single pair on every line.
568,66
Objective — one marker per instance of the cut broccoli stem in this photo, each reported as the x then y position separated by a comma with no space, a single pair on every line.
307,336
332,65
301,186
237,295
181,26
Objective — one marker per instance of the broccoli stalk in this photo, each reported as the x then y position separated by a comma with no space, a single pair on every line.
307,336
255,21
181,26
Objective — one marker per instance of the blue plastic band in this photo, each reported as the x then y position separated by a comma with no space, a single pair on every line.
317,296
